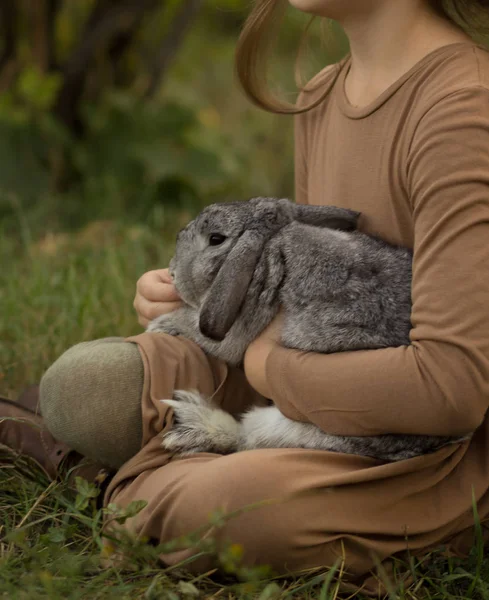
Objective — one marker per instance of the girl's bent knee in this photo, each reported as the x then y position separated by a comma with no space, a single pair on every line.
91,399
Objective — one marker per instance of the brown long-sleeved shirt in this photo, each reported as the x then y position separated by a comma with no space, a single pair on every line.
415,162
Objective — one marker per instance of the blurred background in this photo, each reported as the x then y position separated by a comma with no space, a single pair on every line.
119,120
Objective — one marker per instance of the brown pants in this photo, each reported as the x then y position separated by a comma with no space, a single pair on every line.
328,506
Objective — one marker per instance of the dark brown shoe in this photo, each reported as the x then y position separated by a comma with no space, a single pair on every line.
29,399
23,434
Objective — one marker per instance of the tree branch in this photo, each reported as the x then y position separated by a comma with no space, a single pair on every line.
105,22
172,41
8,24
42,20
52,10
119,46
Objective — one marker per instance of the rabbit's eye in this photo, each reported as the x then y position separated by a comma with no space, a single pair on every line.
215,239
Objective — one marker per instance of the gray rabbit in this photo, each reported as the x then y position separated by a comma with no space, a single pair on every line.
236,264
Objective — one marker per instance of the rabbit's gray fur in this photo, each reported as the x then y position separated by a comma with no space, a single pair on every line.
339,289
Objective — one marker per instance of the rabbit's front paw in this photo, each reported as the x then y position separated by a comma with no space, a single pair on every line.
164,324
199,426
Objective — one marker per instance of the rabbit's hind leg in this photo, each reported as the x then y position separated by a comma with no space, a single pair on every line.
199,426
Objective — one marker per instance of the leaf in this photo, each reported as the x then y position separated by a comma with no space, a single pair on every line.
86,492
86,489
56,535
135,507
131,510
81,503
270,592
188,589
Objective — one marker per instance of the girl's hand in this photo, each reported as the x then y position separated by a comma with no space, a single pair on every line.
155,295
256,355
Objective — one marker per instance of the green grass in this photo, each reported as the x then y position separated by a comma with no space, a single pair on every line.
60,290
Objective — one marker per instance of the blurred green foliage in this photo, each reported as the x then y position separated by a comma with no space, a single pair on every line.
107,145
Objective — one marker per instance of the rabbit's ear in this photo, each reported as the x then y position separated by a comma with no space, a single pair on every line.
228,290
327,216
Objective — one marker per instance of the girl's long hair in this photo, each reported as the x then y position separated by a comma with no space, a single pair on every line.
261,30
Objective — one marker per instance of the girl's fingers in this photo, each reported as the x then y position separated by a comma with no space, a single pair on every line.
143,322
155,296
157,286
147,310
163,274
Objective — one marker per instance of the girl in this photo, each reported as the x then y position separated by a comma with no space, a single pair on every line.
399,130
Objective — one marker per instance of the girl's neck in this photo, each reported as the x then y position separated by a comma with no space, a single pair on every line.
385,43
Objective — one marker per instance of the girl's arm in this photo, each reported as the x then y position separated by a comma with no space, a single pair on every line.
438,385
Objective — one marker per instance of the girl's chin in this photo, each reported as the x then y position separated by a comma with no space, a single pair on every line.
319,8
334,9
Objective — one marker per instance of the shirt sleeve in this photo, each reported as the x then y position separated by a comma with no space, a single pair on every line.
439,384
